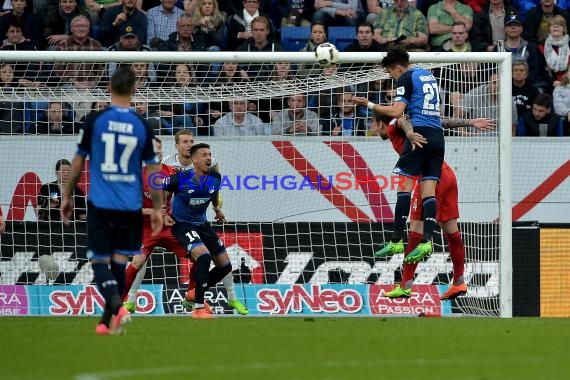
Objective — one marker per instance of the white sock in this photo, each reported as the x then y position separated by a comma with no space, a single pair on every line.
137,284
228,282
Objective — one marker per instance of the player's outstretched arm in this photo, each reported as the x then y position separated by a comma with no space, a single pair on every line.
72,178
395,110
482,124
416,139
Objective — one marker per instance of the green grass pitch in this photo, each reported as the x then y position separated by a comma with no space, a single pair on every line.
287,348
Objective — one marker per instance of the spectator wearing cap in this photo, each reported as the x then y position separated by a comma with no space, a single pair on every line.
536,25
129,41
523,50
117,19
441,17
162,21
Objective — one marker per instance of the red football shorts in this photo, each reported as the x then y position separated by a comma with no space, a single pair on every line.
164,239
446,195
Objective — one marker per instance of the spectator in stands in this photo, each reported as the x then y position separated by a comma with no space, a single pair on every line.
56,121
142,75
297,119
270,107
57,22
187,115
182,39
561,100
79,75
150,114
235,7
319,35
364,40
345,120
523,92
482,101
50,195
557,50
536,25
524,51
162,21
456,80
210,24
26,74
239,24
540,121
295,12
239,122
94,108
339,12
228,74
489,26
374,10
129,41
117,19
96,8
260,42
11,113
15,40
459,39
440,18
402,25
31,24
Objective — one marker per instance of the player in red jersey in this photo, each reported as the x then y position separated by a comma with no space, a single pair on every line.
134,274
397,131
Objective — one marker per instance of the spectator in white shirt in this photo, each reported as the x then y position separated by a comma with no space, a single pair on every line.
239,122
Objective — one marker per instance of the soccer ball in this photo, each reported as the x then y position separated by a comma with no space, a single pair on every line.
326,54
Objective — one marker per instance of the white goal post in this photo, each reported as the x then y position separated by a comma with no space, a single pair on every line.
354,69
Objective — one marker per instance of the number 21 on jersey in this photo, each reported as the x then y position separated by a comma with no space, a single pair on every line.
431,97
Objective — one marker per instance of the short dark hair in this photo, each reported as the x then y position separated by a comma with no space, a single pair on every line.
381,117
543,100
365,24
396,56
195,148
123,81
61,162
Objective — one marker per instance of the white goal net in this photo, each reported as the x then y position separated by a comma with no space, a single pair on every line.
305,216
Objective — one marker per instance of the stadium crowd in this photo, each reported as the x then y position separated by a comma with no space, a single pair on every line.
534,31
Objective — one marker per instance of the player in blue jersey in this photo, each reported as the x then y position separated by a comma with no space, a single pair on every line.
193,191
117,142
417,93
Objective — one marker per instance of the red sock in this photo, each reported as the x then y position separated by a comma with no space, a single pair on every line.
130,275
192,275
410,269
457,253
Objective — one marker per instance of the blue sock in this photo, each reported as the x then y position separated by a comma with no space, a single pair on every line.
107,285
217,274
118,270
202,267
429,214
401,214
